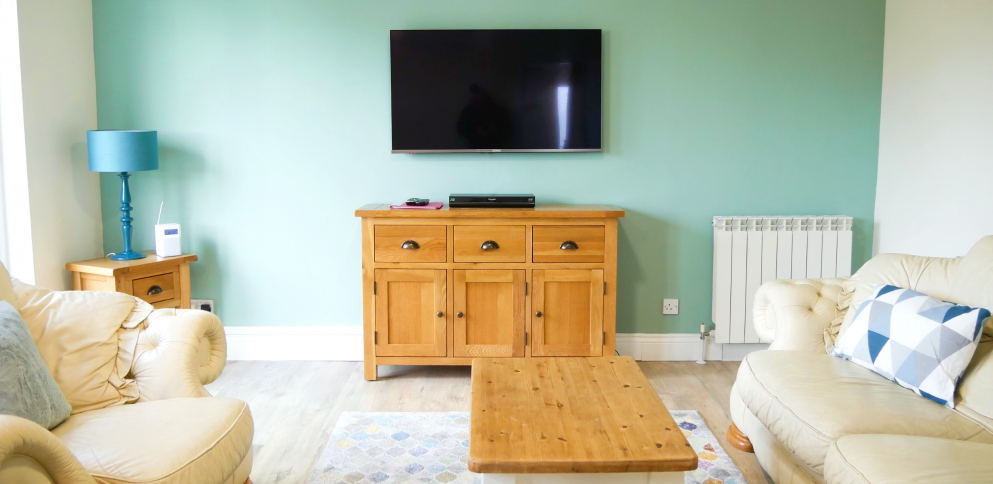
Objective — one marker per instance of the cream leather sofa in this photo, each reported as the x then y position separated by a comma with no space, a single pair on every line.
152,424
811,417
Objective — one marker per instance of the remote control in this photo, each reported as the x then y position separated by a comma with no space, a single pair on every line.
417,201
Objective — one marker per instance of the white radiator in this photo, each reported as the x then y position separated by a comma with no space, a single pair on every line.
750,251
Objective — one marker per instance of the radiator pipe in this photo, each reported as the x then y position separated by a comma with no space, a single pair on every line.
703,345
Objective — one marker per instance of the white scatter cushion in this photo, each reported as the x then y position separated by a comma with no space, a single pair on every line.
922,343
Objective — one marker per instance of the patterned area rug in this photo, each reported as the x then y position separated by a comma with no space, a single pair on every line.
433,447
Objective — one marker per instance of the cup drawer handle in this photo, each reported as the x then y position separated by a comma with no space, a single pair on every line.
489,245
154,290
569,245
410,244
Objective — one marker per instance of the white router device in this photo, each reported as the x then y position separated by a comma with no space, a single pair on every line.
167,238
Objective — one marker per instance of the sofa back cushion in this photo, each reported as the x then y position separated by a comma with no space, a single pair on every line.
6,288
87,341
975,393
27,390
929,275
973,283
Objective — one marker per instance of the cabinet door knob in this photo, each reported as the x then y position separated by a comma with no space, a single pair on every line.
440,314
489,245
459,314
569,245
538,314
154,290
410,244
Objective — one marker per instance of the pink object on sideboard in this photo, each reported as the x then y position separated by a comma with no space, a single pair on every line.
429,206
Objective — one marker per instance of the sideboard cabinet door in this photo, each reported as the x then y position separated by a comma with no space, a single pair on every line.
489,313
410,312
567,312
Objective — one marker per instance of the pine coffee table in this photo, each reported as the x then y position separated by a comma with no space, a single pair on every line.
572,420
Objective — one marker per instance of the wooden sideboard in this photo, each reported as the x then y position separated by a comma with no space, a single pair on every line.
441,287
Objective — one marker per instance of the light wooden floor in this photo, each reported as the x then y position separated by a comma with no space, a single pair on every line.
296,404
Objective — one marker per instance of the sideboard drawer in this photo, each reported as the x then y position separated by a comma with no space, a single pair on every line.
574,243
155,288
411,243
489,243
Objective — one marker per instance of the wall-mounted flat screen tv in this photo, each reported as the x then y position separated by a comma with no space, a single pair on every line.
496,90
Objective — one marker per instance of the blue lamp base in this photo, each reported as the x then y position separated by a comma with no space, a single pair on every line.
127,253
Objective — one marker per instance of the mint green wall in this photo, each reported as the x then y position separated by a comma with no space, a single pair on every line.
274,125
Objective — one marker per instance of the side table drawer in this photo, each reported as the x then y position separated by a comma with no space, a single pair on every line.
503,243
156,288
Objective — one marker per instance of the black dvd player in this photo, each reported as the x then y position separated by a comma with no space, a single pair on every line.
469,200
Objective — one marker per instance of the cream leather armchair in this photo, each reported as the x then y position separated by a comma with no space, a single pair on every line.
813,418
162,430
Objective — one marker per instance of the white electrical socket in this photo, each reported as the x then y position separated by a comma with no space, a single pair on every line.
670,306
204,304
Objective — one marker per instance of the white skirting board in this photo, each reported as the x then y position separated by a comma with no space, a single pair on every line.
679,347
344,343
282,343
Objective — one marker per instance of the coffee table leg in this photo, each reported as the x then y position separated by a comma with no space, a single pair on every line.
606,478
500,479
666,477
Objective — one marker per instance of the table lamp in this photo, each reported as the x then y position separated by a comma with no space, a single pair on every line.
123,151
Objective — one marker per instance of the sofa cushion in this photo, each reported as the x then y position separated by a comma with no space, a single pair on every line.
875,459
807,401
87,340
182,440
27,390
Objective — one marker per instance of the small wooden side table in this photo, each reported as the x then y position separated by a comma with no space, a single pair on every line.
164,282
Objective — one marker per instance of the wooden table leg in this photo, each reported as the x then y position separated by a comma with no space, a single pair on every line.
739,440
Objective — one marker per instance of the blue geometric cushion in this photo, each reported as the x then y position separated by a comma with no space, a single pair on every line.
917,341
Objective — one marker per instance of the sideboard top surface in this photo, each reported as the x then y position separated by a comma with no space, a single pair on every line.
382,210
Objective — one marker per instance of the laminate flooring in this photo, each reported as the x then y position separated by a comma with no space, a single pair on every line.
295,404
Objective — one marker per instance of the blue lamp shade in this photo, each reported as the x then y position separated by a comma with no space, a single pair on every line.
117,151
122,152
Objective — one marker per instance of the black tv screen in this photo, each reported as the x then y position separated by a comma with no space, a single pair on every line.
495,90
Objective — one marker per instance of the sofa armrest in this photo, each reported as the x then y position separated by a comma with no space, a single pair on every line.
793,314
29,454
179,352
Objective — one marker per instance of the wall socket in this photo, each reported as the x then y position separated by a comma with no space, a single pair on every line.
203,304
670,306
